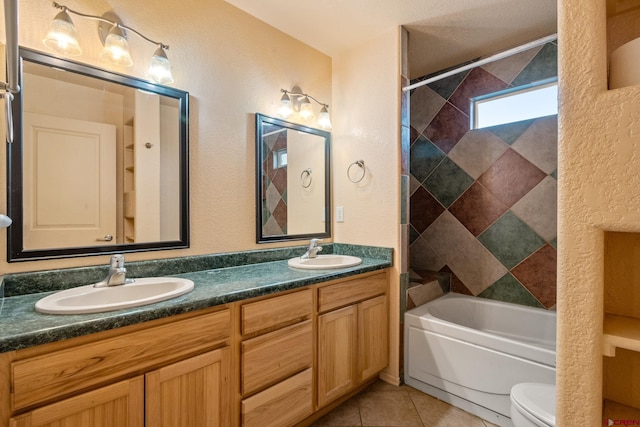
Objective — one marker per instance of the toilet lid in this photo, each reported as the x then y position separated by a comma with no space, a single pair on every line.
539,400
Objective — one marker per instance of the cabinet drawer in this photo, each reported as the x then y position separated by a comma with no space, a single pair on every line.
277,311
351,291
270,358
86,366
284,404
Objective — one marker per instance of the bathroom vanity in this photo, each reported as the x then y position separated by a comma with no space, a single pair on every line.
240,353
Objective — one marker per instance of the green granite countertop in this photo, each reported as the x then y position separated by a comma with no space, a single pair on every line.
21,326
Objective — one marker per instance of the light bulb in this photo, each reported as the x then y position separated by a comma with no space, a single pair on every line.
160,68
324,120
306,110
62,36
285,110
116,48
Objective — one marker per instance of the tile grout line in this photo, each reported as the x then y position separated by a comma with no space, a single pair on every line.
413,403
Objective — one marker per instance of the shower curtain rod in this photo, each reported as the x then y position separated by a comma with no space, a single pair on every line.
483,61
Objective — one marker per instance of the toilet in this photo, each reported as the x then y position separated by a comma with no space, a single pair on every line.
533,405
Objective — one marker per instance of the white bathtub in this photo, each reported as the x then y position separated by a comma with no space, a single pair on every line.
470,351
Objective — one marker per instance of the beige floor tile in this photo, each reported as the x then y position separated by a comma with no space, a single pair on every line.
386,405
435,413
388,408
345,415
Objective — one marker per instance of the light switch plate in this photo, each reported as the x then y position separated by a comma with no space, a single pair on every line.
339,214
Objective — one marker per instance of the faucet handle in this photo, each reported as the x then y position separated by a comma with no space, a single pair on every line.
117,261
314,242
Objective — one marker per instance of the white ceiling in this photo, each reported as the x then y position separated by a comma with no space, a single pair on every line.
442,33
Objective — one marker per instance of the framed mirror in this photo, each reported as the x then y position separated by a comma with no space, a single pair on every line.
292,181
99,162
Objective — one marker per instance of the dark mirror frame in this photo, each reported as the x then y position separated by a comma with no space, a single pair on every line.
15,247
260,238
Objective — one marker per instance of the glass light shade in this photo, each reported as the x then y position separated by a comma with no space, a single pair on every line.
285,110
324,120
306,110
160,68
116,48
62,36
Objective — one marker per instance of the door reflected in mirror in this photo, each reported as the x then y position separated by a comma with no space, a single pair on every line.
292,181
103,162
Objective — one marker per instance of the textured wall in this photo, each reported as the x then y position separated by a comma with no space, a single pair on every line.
233,66
483,202
366,112
598,191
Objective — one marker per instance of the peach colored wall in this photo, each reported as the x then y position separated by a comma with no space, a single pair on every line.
366,126
233,66
598,191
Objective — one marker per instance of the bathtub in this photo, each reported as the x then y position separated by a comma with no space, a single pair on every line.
470,351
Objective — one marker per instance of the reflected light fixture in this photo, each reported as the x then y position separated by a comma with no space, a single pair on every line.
295,101
63,38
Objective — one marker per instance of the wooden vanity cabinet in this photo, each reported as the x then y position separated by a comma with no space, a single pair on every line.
276,360
352,335
172,375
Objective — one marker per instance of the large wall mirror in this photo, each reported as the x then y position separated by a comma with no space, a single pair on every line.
99,162
292,181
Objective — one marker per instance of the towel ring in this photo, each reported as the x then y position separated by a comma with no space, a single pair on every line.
306,174
360,164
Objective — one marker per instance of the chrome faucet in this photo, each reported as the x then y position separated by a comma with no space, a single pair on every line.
117,273
313,250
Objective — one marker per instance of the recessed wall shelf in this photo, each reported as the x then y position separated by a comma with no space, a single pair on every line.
620,332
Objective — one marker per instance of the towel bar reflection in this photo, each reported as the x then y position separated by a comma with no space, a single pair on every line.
350,175
305,178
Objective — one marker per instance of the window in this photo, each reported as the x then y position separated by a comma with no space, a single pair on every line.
280,158
515,104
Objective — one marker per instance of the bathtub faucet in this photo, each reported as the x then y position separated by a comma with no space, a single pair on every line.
117,273
313,250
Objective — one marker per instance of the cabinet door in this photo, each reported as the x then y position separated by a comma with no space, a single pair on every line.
193,392
337,349
120,404
373,337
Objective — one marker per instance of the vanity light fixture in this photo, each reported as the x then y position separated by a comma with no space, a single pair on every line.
295,101
63,38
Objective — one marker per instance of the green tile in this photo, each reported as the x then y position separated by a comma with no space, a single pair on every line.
447,182
404,195
413,235
508,289
424,157
554,243
543,66
554,174
445,87
510,132
510,240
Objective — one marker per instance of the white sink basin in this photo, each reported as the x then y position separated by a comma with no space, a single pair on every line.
323,262
89,299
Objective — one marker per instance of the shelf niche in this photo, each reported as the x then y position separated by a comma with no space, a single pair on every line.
621,338
623,28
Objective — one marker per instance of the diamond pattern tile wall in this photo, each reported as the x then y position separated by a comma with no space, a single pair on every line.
483,202
447,182
447,127
510,240
511,177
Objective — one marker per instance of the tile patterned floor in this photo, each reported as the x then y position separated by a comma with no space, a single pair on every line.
382,404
